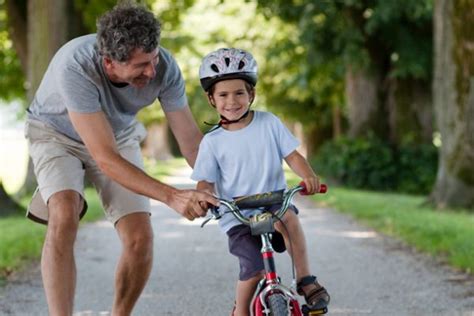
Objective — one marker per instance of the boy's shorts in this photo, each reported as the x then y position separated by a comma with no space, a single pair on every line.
247,248
60,163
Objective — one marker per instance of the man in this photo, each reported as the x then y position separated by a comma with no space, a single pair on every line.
82,122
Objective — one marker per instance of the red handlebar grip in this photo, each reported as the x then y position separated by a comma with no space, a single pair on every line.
323,188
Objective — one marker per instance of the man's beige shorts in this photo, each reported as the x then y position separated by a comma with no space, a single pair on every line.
61,163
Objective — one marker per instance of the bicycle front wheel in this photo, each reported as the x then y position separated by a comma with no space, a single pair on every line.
278,305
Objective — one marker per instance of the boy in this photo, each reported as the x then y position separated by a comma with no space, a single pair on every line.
243,155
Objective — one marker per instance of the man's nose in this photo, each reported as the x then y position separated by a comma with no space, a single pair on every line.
150,70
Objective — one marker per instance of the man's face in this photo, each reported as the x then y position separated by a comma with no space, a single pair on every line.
138,71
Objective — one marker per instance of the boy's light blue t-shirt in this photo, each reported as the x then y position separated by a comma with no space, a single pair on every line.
246,161
75,80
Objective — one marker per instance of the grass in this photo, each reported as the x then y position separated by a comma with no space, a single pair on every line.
21,240
447,235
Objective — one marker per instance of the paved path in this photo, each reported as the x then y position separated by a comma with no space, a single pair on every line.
366,273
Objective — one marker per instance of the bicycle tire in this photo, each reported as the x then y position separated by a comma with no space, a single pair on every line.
278,305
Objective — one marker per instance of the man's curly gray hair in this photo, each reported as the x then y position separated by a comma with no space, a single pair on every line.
126,27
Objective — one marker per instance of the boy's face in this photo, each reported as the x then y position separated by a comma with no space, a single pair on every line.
231,98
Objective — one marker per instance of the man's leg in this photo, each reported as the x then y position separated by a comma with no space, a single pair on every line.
135,263
58,267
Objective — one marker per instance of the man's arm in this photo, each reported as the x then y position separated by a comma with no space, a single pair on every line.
186,132
97,135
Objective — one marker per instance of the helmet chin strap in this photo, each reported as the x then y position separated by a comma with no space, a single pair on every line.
225,121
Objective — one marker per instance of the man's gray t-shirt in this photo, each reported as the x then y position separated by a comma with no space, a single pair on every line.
75,80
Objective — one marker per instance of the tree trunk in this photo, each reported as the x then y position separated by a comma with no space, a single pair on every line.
16,11
336,122
315,136
366,114
156,145
38,29
47,31
409,104
453,87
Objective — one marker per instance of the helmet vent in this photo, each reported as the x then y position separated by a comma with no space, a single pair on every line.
227,61
241,65
214,67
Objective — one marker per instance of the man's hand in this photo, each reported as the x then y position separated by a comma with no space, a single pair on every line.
191,203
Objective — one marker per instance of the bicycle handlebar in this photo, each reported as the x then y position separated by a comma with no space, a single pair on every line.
283,197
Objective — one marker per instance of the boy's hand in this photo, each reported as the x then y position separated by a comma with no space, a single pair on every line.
312,185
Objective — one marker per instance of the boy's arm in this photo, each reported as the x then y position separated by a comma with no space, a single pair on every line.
302,168
206,187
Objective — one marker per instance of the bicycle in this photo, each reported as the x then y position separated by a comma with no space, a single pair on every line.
271,296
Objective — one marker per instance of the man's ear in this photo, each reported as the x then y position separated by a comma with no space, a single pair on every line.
108,63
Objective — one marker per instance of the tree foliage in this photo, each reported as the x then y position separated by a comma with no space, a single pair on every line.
396,34
12,79
389,40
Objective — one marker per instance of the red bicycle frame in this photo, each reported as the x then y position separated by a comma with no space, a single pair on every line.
271,296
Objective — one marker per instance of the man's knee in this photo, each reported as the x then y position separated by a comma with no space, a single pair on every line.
140,242
64,208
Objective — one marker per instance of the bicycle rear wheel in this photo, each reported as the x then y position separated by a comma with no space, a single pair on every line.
278,305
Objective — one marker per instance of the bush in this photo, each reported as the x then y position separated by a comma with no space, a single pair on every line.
369,163
417,166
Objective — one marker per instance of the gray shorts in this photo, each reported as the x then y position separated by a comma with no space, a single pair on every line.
61,163
247,248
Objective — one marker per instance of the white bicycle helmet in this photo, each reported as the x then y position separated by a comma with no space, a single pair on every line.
227,63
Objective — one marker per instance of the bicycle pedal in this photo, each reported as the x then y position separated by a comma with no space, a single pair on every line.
309,312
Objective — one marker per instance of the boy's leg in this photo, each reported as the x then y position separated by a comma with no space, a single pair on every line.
58,267
135,263
292,227
298,250
244,293
247,249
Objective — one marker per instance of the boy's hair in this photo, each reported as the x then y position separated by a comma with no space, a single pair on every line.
126,27
249,87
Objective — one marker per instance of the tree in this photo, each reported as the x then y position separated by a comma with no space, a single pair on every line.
384,50
453,87
12,79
